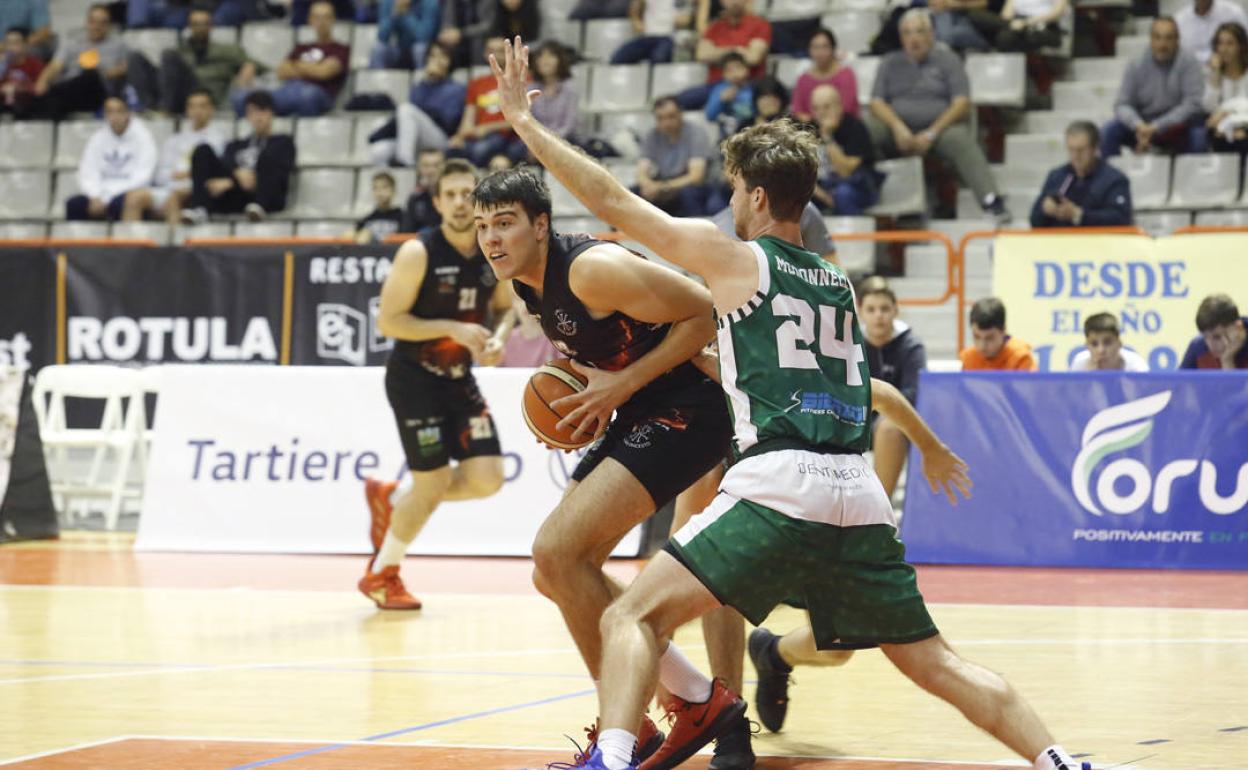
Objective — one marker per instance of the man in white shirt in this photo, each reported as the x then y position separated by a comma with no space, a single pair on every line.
172,183
1105,350
1199,21
117,164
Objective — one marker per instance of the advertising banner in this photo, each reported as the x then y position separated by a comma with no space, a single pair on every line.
272,459
336,295
173,305
1098,469
1051,283
27,307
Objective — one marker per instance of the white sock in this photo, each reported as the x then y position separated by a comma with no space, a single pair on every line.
392,552
617,747
1055,758
680,677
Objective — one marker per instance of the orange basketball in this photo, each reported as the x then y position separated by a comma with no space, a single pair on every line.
552,381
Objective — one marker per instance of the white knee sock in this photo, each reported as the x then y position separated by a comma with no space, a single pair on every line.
392,552
680,677
1055,758
617,747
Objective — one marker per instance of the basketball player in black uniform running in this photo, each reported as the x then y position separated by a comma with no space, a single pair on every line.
435,303
631,327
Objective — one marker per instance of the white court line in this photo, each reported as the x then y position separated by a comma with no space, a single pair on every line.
67,749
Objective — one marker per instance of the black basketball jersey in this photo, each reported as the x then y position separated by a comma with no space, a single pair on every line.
457,288
609,343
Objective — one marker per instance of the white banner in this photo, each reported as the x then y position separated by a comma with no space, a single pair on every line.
272,460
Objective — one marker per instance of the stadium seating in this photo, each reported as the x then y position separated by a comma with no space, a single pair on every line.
324,193
1205,181
903,191
91,231
997,79
71,138
604,36
618,88
324,141
857,257
854,29
864,68
151,231
674,77
267,43
26,194
393,83
1149,176
271,229
26,145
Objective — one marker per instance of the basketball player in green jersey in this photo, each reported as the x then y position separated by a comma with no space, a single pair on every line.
800,514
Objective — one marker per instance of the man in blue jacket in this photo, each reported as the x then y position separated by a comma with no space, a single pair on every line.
1086,192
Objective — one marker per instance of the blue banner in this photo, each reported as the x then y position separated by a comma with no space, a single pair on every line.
1098,469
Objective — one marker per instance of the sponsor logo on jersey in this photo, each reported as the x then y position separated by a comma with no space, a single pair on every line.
564,323
818,403
346,334
348,270
155,338
817,276
13,351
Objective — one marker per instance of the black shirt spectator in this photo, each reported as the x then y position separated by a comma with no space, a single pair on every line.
1086,192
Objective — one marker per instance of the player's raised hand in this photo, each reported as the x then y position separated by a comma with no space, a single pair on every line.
591,409
946,472
512,74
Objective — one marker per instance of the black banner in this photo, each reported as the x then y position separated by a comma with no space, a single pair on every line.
336,296
27,307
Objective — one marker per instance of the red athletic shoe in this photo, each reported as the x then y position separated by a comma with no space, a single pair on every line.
377,493
386,589
694,725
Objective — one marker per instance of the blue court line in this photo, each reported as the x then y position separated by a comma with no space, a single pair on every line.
417,728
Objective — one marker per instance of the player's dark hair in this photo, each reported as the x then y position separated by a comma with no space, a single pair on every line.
386,177
454,167
780,157
1101,323
514,185
204,92
1088,129
261,100
875,284
1216,310
988,313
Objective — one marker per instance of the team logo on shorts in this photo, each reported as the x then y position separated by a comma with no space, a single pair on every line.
565,324
640,437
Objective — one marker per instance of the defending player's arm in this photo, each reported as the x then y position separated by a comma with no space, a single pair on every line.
608,278
501,306
944,470
696,245
398,294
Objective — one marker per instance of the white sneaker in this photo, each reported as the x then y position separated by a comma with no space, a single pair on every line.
255,212
195,216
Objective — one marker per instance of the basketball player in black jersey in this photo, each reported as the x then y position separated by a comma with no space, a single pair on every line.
631,327
436,303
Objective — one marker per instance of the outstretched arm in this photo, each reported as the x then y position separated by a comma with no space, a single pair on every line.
944,470
694,244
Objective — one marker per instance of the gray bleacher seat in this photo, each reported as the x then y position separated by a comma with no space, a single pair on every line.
224,35
903,191
619,87
1107,69
1042,151
674,77
365,124
226,127
324,228
864,68
788,69
604,36
1012,176
563,203
1131,46
161,128
363,38
624,171
71,138
1017,200
64,187
997,79
1205,181
1065,46
580,225
151,231
268,229
325,192
324,141
150,42
854,29
341,33
26,193
1054,122
798,9
93,231
1223,218
1085,97
26,144
22,231
929,262
404,181
854,256
267,43
242,129
1158,223
183,233
1243,199
1149,176
638,121
875,6
564,30
393,83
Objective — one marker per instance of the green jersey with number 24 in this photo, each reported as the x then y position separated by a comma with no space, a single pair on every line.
791,359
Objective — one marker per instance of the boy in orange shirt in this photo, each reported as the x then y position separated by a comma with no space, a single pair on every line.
991,347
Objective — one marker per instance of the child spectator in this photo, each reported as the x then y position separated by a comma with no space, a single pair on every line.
386,218
1105,350
1220,344
731,103
991,347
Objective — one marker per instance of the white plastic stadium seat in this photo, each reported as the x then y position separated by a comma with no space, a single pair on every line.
997,79
903,191
1043,151
66,186
864,68
324,141
341,33
223,36
71,139
25,194
324,228
797,9
604,36
1106,69
564,203
1149,176
619,87
1159,223
22,231
365,124
151,42
161,129
564,30
1223,218
854,29
325,192
1205,181
363,38
268,229
393,83
789,68
1131,47
183,233
673,77
268,43
1084,97
150,231
26,144
79,231
854,256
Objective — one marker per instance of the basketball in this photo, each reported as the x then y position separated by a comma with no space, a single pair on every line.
552,381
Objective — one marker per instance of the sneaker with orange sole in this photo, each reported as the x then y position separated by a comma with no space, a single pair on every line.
386,589
693,725
377,494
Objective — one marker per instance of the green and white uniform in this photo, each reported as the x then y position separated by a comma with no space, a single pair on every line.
801,517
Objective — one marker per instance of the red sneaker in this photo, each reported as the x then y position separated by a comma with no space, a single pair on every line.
386,589
649,739
377,493
694,725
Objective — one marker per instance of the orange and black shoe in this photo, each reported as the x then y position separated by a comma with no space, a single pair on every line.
386,589
696,724
378,493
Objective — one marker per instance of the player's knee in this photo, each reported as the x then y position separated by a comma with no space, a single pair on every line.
541,583
620,614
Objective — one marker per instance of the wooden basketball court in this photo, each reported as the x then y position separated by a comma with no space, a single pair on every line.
115,660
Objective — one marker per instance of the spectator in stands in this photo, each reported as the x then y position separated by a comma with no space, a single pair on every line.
1023,25
516,17
174,14
1158,104
483,131
559,106
730,104
172,184
1200,21
991,347
735,31
1226,92
464,27
419,212
825,69
197,62
895,355
1220,344
585,10
405,28
30,16
1104,348
312,74
1086,192
953,22
19,71
301,10
920,103
88,66
252,176
771,100
814,230
499,162
672,171
116,166
657,23
432,116
385,219
848,183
